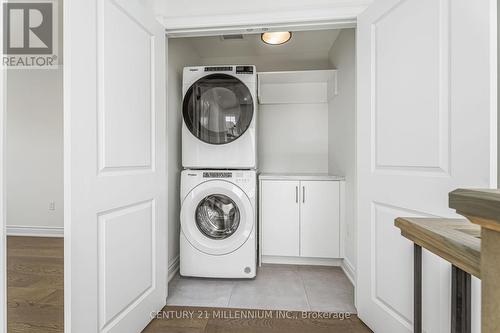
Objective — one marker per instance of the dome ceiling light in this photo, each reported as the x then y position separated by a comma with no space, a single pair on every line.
276,37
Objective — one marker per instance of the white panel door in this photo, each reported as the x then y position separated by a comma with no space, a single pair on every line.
280,217
426,125
115,177
320,219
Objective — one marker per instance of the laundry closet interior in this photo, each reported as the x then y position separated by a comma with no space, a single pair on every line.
305,170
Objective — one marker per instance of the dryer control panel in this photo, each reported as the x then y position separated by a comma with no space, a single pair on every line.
217,174
244,69
240,69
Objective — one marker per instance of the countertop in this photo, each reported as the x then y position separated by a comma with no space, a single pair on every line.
300,176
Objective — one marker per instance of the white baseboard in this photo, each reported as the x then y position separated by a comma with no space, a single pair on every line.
173,268
18,230
301,261
349,271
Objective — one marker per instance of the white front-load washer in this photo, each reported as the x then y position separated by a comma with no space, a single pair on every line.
218,223
219,112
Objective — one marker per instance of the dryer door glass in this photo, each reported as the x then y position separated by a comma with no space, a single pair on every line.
217,216
218,108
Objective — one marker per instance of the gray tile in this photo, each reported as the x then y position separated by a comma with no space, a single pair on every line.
333,277
274,288
200,292
328,289
172,283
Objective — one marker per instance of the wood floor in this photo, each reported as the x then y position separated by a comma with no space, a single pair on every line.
35,278
35,302
224,320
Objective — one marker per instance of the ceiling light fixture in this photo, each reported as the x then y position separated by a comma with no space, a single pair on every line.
276,37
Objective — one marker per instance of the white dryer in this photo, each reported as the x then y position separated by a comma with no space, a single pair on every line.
219,112
218,224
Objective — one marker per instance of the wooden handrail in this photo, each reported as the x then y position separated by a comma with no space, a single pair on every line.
455,240
482,207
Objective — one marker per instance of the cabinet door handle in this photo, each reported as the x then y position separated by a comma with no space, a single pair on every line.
303,194
296,194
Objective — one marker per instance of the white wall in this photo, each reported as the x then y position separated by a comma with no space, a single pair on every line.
34,144
179,55
293,138
341,124
34,147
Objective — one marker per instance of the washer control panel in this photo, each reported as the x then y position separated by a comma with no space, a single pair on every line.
235,176
240,177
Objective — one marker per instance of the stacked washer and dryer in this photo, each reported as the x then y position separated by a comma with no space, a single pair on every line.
218,235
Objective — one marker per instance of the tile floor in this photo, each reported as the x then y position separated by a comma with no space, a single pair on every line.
276,287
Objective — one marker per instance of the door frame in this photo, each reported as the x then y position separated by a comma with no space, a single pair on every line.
327,17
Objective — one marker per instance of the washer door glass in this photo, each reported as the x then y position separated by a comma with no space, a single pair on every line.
218,108
217,216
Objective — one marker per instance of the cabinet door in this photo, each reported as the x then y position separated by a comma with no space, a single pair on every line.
280,218
319,219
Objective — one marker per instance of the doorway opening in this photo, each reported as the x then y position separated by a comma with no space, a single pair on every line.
307,128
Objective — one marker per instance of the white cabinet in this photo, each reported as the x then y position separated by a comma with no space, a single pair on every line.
281,206
300,217
320,219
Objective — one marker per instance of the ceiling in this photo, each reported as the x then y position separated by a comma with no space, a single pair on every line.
302,42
